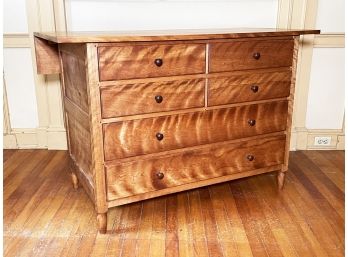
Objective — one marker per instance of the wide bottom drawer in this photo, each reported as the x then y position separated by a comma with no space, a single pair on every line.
147,175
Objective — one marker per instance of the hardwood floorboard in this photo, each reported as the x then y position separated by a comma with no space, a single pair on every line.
45,216
332,172
313,216
275,206
7,154
335,221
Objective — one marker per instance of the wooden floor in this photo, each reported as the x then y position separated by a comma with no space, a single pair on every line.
45,216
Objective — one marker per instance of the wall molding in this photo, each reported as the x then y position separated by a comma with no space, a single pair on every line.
36,138
329,40
305,139
16,40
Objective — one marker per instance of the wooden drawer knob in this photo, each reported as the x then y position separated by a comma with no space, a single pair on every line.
159,136
160,175
159,98
250,157
251,122
254,88
158,62
256,56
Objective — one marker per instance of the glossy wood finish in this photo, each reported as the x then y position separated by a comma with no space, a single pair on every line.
165,35
153,96
227,89
134,102
44,216
129,62
137,137
240,55
186,167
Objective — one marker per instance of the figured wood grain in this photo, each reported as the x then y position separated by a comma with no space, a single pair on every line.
130,138
192,166
120,99
238,88
75,77
113,124
238,55
165,35
183,111
47,57
126,62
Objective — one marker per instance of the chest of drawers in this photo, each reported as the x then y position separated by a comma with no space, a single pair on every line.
154,113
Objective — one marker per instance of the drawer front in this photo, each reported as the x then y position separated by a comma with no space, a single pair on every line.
252,54
139,98
126,62
150,135
192,166
248,87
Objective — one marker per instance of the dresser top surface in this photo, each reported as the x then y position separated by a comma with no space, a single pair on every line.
161,35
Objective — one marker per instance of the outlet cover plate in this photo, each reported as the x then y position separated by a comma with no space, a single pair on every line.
320,141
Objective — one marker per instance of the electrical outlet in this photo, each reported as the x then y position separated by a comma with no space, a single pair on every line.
322,140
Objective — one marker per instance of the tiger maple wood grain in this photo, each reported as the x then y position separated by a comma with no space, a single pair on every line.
137,137
238,55
139,98
109,85
125,62
192,166
237,88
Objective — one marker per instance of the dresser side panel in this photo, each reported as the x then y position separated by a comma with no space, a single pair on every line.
75,80
76,112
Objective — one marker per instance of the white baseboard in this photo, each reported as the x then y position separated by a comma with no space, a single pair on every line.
303,139
39,138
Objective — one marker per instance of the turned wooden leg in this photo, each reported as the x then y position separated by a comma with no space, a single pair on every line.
281,179
102,220
75,180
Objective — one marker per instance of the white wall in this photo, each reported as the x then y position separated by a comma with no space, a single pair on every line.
326,90
15,17
20,87
18,69
106,15
330,17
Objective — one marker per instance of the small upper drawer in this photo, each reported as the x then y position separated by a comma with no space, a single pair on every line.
120,99
251,54
245,87
145,61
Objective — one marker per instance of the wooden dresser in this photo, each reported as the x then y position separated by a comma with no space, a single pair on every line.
158,112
